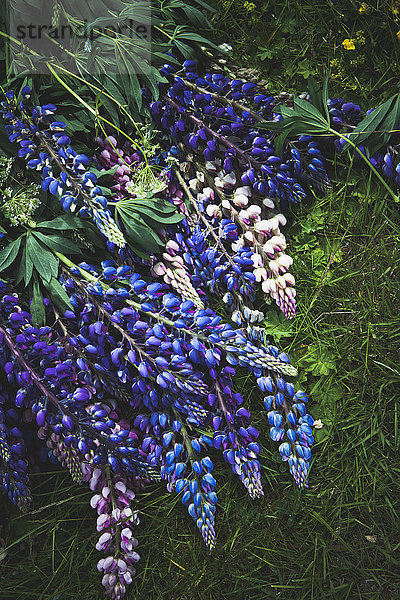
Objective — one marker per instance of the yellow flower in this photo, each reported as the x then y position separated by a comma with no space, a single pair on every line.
364,9
349,44
249,6
398,35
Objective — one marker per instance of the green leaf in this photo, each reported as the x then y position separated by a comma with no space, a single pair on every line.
67,221
372,122
315,93
102,174
138,232
277,326
45,262
319,98
325,94
57,294
318,360
58,243
305,109
156,213
9,253
135,90
37,307
21,269
379,139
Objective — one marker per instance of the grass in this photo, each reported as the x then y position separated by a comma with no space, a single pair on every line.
340,539
291,40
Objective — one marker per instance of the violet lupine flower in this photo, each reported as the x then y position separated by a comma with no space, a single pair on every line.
13,456
223,181
115,523
47,149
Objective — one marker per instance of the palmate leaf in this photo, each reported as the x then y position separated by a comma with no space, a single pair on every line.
302,119
141,216
138,233
373,130
319,97
41,258
58,243
156,212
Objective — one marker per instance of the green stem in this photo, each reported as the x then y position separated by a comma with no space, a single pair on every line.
365,159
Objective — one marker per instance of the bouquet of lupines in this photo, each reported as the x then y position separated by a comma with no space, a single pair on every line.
120,363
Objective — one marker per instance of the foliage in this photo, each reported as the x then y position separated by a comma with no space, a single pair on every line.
106,58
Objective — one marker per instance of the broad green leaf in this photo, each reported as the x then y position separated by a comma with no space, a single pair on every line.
58,243
325,97
9,253
101,174
315,93
157,220
67,221
140,233
319,98
57,294
21,269
382,137
37,307
306,109
371,122
45,262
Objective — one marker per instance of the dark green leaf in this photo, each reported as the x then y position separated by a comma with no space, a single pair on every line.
138,232
21,269
9,253
325,94
67,221
58,243
372,122
382,137
315,93
57,294
305,109
45,262
37,307
102,174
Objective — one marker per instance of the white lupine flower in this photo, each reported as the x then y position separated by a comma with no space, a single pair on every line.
245,189
284,261
241,200
213,210
281,218
254,211
229,179
257,260
273,266
268,203
290,280
263,226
